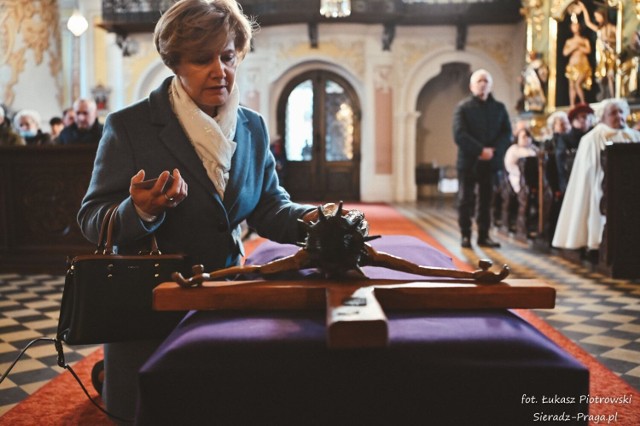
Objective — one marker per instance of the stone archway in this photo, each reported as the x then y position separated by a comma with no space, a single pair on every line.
151,79
435,104
405,138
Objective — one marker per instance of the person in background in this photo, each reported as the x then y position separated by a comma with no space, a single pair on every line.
27,121
580,223
277,149
558,126
522,147
482,132
86,129
581,118
193,128
499,175
8,137
68,117
56,125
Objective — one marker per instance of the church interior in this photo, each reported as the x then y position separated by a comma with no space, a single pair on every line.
358,99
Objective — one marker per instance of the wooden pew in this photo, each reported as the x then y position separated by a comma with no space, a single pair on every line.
41,188
620,248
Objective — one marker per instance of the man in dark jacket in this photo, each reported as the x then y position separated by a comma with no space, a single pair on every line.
86,129
482,131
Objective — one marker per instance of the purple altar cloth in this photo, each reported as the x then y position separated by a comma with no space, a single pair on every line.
274,368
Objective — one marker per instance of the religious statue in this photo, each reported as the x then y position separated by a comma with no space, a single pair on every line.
630,68
337,245
534,79
578,70
606,56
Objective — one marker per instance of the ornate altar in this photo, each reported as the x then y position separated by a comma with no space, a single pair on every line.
613,54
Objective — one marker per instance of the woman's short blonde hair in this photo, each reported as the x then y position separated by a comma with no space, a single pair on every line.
189,25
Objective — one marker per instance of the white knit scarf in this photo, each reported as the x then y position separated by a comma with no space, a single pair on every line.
211,137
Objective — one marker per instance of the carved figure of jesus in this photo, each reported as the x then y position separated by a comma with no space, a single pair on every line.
578,70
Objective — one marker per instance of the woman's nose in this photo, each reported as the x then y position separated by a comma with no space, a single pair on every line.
217,69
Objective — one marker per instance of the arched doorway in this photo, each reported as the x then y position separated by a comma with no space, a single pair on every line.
436,152
319,123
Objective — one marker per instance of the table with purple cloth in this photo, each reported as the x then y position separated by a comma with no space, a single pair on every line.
475,367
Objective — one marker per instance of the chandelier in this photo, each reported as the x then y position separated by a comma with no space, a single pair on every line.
335,8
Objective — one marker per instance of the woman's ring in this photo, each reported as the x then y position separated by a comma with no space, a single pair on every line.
169,199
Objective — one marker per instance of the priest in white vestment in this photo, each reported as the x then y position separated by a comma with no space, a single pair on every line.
580,223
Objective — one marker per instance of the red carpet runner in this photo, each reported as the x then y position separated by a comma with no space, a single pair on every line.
61,401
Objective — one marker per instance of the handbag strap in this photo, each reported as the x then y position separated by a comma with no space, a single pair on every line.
108,247
102,242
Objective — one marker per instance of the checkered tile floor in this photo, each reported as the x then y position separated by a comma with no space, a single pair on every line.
29,306
601,315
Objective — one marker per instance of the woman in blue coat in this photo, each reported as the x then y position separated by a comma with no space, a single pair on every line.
192,129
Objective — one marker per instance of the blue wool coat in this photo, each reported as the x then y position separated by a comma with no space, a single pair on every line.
148,135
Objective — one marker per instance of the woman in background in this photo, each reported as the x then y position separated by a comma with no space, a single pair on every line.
27,122
8,137
581,223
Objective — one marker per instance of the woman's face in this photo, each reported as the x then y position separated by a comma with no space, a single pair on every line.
614,117
208,76
561,125
27,124
524,140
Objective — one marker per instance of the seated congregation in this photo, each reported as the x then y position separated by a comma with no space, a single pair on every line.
555,192
78,124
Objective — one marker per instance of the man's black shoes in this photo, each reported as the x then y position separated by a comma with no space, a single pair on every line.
488,242
466,242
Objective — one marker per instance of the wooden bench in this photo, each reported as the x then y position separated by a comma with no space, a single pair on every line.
620,248
41,188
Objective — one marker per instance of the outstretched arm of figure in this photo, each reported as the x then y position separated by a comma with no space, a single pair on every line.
587,19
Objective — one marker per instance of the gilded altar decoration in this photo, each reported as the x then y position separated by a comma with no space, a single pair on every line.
28,26
630,68
533,12
534,83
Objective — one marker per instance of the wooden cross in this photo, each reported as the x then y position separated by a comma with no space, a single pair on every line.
355,309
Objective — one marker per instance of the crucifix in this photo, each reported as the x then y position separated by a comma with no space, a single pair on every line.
337,244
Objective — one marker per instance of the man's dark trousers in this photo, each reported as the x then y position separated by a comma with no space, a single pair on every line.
481,176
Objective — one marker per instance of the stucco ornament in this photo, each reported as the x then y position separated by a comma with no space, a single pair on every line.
28,26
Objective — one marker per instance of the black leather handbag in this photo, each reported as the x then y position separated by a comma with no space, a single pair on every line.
108,297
